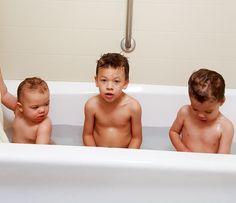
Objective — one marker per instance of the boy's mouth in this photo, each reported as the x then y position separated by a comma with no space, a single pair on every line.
109,95
203,119
40,118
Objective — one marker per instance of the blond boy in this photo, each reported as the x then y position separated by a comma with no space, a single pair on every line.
31,123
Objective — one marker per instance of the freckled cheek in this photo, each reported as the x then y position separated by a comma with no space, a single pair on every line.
103,85
119,85
103,88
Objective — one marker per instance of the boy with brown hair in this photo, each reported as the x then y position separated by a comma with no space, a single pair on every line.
112,118
200,126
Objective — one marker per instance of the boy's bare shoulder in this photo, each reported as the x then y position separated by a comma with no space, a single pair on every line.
45,127
92,101
46,123
184,110
133,103
226,123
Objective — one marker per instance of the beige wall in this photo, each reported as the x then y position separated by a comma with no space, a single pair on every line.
62,39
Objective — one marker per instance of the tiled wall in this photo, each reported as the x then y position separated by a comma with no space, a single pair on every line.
62,39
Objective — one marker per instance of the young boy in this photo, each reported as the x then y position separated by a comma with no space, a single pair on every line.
31,123
200,127
112,118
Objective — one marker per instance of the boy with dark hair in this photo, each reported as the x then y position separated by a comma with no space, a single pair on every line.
112,118
200,126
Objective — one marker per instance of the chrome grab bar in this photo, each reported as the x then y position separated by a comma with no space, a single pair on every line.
128,43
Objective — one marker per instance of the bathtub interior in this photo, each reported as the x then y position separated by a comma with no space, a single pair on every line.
159,107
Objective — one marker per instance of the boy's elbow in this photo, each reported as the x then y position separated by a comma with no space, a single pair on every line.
84,140
136,143
9,101
87,141
171,134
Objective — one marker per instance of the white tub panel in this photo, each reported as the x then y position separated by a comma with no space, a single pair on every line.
32,173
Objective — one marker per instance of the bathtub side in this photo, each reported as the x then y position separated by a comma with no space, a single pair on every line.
86,174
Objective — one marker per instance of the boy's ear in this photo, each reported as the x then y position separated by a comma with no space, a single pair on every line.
126,84
96,80
19,106
222,101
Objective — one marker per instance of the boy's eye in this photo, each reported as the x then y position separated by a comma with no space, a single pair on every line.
103,80
47,104
117,81
34,107
208,112
194,109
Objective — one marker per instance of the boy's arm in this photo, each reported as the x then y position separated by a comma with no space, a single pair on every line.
88,138
136,126
226,138
7,99
44,132
175,131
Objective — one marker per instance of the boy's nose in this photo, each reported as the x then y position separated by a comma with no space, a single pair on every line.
201,115
41,109
109,85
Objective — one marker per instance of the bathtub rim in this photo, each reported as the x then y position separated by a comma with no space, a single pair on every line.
91,87
116,157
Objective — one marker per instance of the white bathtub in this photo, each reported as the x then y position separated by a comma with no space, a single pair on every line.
63,173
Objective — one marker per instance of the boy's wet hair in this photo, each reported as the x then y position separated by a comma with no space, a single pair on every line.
32,84
114,60
206,85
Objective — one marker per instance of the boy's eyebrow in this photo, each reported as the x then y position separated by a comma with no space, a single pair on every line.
106,76
34,105
208,111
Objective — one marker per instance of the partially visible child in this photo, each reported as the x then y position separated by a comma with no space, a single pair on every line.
31,123
200,126
112,118
3,136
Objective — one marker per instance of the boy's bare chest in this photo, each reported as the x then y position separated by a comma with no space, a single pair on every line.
23,132
113,116
207,133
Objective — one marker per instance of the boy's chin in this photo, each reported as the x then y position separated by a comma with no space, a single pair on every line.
39,119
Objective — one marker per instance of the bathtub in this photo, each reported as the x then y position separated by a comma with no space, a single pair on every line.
70,172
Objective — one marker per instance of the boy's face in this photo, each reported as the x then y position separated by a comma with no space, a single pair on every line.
206,111
35,105
111,82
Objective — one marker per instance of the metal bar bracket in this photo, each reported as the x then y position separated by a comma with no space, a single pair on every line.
128,43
